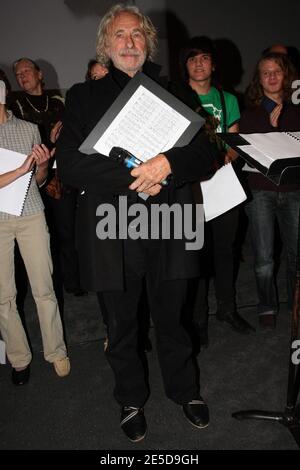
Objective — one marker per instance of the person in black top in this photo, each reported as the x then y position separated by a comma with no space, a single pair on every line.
115,266
200,90
270,109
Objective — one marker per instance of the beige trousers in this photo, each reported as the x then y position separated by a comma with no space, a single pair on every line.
31,233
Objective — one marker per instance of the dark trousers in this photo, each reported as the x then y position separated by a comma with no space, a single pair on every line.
166,300
262,210
60,215
220,234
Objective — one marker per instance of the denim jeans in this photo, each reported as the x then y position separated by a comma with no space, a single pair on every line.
262,211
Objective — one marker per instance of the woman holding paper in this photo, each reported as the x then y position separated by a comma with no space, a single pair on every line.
270,109
18,139
35,157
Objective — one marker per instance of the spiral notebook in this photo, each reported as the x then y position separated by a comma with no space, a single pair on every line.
275,155
266,148
13,196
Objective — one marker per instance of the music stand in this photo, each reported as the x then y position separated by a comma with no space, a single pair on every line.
290,416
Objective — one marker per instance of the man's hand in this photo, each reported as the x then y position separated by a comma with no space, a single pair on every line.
274,116
154,190
150,174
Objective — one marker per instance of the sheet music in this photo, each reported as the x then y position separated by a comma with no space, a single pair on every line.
275,145
222,192
146,126
257,155
12,196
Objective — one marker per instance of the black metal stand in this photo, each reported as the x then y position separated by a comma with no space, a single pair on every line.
290,417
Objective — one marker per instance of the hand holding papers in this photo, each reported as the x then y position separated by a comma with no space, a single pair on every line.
145,119
12,196
222,192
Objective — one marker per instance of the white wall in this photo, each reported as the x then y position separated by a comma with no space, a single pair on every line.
49,32
61,34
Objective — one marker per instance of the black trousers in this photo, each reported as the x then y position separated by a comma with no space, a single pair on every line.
166,301
220,235
60,215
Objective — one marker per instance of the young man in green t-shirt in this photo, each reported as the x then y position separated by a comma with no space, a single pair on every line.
198,62
200,68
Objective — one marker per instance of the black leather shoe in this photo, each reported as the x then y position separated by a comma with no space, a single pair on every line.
197,413
133,423
236,322
20,377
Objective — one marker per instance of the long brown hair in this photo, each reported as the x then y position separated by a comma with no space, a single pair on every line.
145,23
255,92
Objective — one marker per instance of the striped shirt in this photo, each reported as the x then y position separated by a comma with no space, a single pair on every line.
20,136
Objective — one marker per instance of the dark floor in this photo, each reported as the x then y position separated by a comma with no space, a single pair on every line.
79,412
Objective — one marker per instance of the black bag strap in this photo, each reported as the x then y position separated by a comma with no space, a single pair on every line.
224,112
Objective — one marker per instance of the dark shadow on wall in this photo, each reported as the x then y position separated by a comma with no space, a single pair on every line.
230,67
49,74
158,18
294,55
177,35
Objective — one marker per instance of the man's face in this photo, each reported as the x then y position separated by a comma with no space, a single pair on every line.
200,67
271,77
28,78
126,43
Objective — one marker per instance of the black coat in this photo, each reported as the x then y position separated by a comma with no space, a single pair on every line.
101,180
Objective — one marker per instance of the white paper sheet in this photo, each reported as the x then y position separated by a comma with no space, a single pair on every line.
222,192
257,155
146,126
12,196
275,145
2,352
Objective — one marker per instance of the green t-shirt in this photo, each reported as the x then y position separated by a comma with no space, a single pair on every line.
213,106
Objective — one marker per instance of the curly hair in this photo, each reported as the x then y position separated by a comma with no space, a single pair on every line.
255,92
145,23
